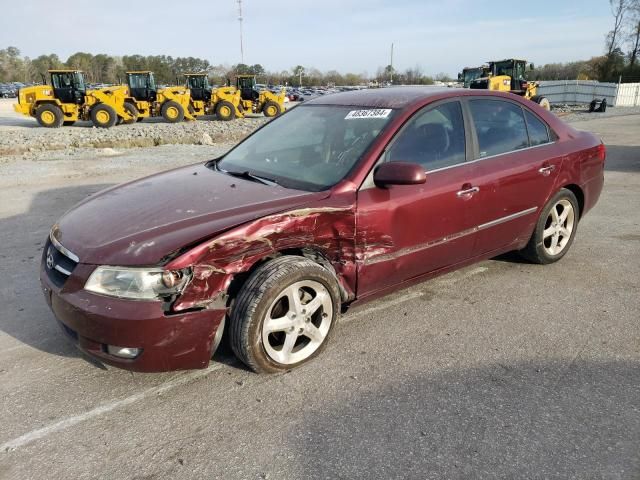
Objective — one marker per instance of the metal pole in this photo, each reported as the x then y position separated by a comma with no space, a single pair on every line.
240,20
391,72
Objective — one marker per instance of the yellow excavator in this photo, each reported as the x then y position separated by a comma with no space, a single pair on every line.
147,100
67,100
231,102
509,76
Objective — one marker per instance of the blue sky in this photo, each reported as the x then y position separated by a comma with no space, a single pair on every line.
345,35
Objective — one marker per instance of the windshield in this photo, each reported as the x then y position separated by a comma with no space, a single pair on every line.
309,148
79,81
471,75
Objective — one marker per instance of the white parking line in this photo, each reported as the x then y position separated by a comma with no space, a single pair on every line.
182,379
107,407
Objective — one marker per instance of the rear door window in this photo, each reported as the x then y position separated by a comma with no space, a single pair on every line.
434,138
500,127
538,131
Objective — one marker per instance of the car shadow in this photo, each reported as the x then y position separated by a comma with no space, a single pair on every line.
527,420
25,315
622,158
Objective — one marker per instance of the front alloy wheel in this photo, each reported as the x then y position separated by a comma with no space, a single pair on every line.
284,314
297,322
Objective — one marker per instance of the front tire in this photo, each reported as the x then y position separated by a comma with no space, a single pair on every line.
225,111
555,229
103,116
543,102
172,112
271,109
133,111
284,314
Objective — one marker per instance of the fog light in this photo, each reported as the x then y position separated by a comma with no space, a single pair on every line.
123,352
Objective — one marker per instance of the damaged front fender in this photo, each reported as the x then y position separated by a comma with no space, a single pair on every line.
328,230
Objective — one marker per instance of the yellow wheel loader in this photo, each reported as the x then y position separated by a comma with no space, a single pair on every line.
147,100
254,101
67,100
224,102
509,76
470,74
231,102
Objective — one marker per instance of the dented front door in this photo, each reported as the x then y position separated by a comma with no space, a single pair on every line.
408,230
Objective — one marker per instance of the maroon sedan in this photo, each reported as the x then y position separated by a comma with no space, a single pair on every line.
338,201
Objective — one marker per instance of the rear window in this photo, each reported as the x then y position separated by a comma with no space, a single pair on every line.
538,131
500,126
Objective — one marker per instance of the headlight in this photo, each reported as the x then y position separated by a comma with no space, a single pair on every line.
137,283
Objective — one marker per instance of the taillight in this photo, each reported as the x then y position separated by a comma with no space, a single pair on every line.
602,152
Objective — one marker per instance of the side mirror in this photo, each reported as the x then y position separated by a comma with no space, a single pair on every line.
399,173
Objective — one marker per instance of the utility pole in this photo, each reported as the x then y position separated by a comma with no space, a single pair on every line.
391,63
240,21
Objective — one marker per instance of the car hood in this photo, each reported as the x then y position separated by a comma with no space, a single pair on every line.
146,221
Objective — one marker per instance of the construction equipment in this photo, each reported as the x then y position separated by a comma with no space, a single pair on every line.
67,100
472,73
146,100
254,101
509,76
224,102
231,102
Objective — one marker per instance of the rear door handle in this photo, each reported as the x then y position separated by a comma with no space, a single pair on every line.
467,192
546,171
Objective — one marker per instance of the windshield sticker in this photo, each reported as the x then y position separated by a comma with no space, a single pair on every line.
377,113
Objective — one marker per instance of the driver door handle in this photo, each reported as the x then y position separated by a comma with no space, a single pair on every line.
546,171
467,192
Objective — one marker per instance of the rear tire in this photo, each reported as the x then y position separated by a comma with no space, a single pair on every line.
271,109
225,111
172,111
49,116
555,230
133,111
270,333
103,116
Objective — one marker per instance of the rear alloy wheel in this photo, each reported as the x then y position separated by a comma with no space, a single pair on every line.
103,116
555,229
49,116
172,112
225,111
133,111
271,109
284,314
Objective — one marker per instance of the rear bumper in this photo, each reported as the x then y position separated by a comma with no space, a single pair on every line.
592,190
168,342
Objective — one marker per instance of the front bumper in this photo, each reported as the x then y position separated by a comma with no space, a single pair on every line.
168,342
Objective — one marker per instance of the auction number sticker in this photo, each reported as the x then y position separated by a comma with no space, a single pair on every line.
375,113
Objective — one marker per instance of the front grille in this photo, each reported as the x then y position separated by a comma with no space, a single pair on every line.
58,265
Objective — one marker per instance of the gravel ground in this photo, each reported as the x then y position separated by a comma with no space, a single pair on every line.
23,136
500,370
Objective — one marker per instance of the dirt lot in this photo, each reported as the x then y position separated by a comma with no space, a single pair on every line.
500,370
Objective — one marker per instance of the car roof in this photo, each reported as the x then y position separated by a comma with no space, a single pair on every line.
390,97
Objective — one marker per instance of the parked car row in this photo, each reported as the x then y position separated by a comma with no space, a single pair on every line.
10,90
